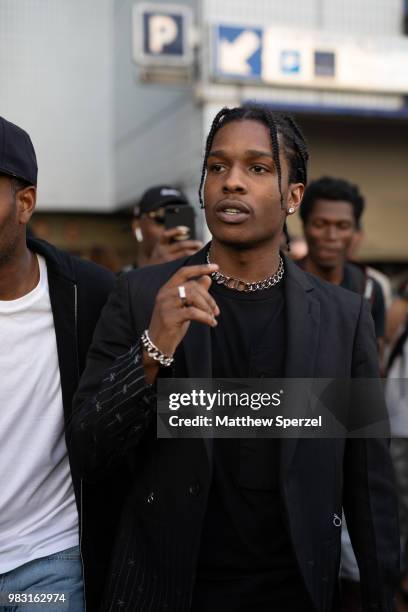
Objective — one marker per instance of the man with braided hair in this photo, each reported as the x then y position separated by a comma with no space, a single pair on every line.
235,525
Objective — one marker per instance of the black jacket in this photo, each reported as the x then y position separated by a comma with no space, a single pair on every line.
329,335
78,290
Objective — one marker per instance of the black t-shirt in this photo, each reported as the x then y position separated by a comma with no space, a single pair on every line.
246,561
249,340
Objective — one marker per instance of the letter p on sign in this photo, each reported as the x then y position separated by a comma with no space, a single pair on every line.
161,35
162,32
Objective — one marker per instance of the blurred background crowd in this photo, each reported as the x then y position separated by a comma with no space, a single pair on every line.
118,96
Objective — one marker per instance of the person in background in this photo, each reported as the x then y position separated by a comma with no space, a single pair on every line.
49,305
397,314
156,244
396,394
331,213
298,248
106,256
380,277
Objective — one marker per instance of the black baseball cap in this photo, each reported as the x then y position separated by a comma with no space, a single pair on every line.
156,197
17,155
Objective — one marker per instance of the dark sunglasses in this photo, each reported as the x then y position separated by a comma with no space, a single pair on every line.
157,215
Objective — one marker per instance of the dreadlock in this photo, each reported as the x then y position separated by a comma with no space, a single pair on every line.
278,125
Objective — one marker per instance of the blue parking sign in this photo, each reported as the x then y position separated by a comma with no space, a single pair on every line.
161,34
237,52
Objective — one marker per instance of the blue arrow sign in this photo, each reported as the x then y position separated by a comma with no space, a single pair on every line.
237,52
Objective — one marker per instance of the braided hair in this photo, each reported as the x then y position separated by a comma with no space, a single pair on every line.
282,131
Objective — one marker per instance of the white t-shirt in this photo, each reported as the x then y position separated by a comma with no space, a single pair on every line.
38,514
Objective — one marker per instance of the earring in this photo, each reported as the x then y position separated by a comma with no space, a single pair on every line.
291,210
138,234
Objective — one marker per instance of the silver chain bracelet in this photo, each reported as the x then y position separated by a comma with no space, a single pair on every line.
153,351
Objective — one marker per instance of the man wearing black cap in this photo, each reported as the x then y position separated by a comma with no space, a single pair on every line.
156,244
49,305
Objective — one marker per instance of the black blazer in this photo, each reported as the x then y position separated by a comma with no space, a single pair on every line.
329,335
78,291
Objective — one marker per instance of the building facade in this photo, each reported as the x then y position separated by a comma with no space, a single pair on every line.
110,111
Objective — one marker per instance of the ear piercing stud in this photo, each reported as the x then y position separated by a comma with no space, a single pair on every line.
291,210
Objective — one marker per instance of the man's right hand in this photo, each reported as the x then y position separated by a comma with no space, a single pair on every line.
167,250
171,319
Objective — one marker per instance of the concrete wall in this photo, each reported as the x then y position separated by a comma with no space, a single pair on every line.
373,17
158,128
56,82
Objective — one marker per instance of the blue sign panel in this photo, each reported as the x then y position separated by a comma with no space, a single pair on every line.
163,34
238,52
290,62
324,63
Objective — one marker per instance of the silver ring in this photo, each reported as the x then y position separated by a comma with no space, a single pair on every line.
182,295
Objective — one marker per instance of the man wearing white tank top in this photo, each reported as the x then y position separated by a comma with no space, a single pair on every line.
42,351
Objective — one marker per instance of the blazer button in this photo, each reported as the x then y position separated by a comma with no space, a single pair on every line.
194,489
150,498
336,520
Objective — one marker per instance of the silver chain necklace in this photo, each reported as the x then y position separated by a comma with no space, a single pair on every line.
241,285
